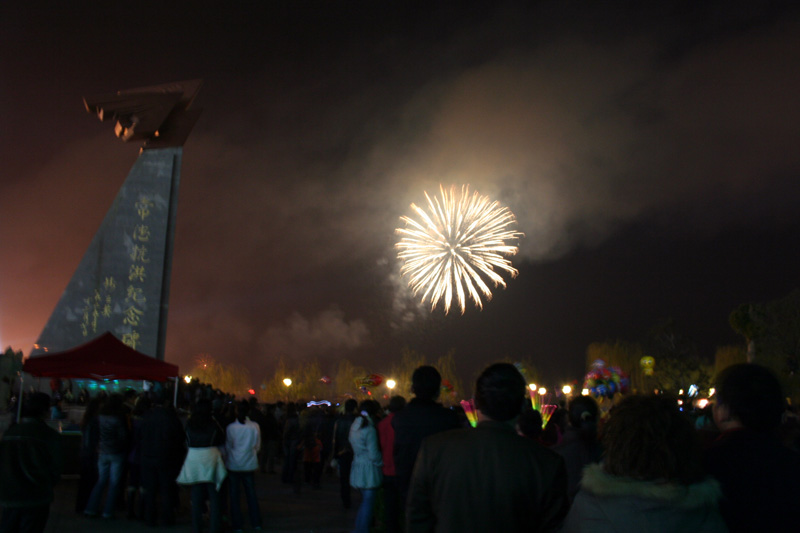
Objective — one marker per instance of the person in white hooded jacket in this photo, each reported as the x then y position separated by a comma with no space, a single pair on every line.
366,474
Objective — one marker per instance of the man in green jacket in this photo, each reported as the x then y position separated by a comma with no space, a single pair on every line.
488,478
30,465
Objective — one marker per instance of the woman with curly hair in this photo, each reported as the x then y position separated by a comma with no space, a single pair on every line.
651,477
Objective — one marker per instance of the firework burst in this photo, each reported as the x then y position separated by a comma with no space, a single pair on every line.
448,249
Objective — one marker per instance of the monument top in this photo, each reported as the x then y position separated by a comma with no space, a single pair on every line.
158,114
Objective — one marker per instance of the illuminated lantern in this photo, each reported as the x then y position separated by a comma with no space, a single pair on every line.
372,380
647,363
447,387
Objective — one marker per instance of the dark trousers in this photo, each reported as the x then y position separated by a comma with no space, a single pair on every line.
391,505
312,472
345,463
290,456
201,492
159,485
246,480
24,519
87,482
225,497
269,455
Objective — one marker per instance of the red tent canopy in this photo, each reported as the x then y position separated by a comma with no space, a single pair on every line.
105,357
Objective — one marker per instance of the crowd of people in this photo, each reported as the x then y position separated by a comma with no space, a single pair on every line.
645,465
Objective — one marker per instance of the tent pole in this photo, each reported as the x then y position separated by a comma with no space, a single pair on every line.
19,397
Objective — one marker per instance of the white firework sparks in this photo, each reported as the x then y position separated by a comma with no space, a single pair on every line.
459,238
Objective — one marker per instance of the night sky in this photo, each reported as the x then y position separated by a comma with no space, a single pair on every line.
650,154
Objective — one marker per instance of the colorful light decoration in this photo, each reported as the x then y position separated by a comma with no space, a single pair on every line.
539,403
603,381
469,410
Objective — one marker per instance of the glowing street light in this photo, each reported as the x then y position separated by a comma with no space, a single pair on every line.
187,379
567,390
288,383
391,383
542,391
584,392
532,386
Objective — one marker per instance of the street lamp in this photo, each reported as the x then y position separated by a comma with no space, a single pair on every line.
532,386
567,390
288,383
391,383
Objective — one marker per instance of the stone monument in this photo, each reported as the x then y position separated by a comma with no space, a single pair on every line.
122,283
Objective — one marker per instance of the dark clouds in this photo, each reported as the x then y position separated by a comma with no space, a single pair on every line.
323,121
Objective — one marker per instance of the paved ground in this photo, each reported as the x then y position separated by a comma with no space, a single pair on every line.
311,511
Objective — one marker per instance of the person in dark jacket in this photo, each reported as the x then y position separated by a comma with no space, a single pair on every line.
112,451
271,433
422,417
311,447
580,445
135,492
90,438
30,465
488,478
342,450
529,424
291,438
758,474
259,417
162,452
